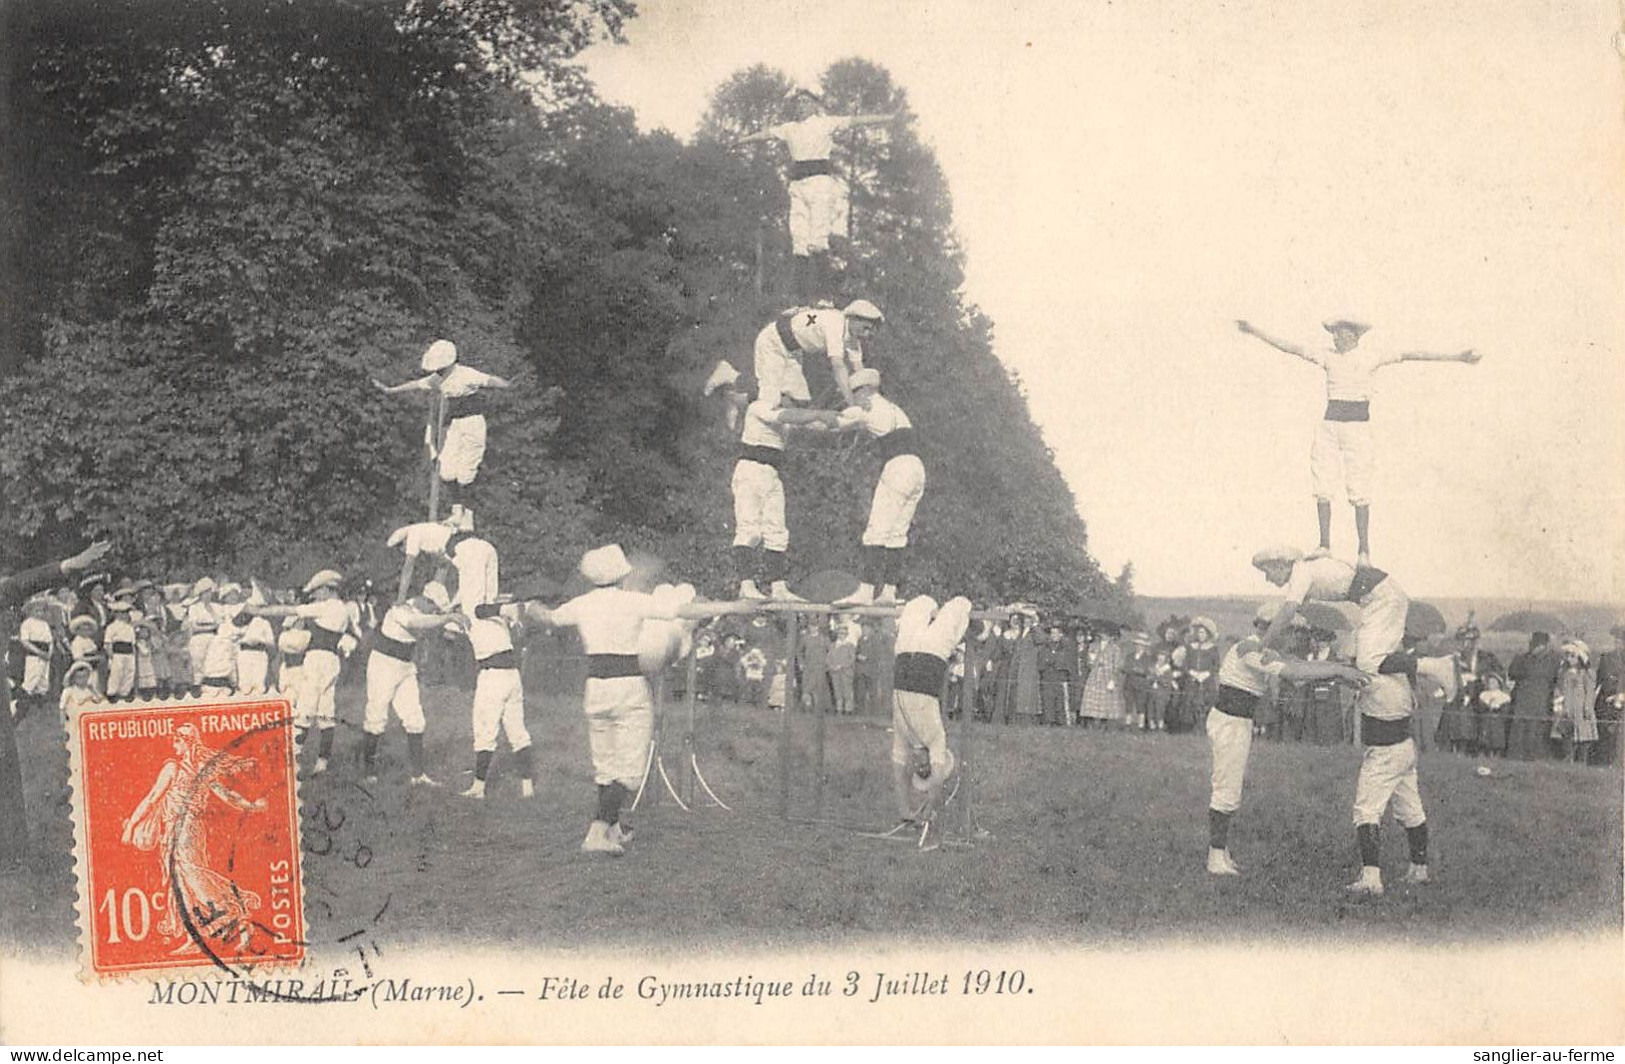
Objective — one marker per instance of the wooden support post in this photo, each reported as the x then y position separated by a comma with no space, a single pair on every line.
818,755
968,690
437,422
790,644
689,752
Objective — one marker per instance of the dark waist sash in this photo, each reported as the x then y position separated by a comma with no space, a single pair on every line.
1365,581
293,660
216,681
787,335
612,666
921,674
1348,410
801,168
467,406
391,648
1374,732
895,443
750,452
202,629
323,639
261,648
121,647
502,659
1236,702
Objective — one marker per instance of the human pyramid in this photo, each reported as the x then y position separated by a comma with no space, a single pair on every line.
1385,661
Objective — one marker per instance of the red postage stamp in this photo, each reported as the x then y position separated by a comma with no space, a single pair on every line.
186,826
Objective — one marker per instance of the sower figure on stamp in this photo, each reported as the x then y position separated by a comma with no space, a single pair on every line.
898,489
1342,450
326,619
392,676
818,199
922,763
458,454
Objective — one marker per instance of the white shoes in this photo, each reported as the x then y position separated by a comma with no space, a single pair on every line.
863,596
422,780
1417,873
598,840
1220,864
620,833
1364,560
527,789
321,766
1368,885
782,593
1318,552
476,790
887,596
749,592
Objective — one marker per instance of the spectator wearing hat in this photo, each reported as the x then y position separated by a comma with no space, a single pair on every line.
15,588
79,688
219,678
1534,685
457,386
1342,455
1324,725
1610,704
255,647
1465,728
34,639
1199,660
326,620
818,198
814,665
151,661
1103,690
202,618
176,640
898,489
118,643
83,646
842,663
1055,660
1138,662
93,601
1574,708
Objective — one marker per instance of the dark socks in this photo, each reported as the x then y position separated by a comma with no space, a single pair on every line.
745,563
414,751
874,566
369,752
1418,839
324,747
894,566
1367,835
522,759
482,764
776,564
1218,829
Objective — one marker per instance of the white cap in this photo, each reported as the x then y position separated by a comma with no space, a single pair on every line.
81,621
862,308
1266,612
1276,554
440,354
605,565
436,593
229,588
864,378
1333,324
1205,622
721,377
325,578
202,587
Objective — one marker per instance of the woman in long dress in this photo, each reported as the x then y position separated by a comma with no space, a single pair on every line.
1576,719
172,819
1103,690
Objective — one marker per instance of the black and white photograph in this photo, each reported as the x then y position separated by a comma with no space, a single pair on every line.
783,523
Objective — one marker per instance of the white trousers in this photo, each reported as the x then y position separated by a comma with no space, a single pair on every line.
620,724
1343,456
36,675
499,705
252,669
759,507
897,494
1381,629
916,724
120,675
1388,774
318,683
1231,740
392,684
464,449
818,210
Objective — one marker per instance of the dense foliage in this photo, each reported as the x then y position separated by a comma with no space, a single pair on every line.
227,215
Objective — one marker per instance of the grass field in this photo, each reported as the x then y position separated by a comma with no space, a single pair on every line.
1095,838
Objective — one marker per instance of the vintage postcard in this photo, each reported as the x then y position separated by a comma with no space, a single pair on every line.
760,521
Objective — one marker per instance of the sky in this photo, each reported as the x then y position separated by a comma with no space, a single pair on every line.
1131,178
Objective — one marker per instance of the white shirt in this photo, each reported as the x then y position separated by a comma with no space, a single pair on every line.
259,631
220,656
823,329
202,617
463,380
918,632
392,628
489,636
1247,666
35,631
811,138
119,630
1321,579
610,619
1349,374
881,419
762,427
328,613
